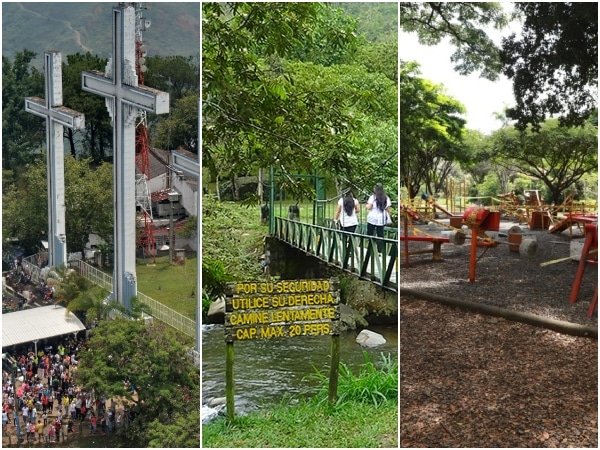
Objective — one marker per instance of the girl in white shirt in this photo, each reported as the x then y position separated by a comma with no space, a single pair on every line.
378,206
347,212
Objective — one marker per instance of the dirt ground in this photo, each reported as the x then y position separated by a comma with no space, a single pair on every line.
469,380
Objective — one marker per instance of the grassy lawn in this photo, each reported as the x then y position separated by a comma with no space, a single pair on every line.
173,285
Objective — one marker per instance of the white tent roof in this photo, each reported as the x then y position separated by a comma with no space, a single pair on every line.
38,323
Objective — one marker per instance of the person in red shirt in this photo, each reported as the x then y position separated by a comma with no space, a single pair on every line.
57,426
44,403
93,423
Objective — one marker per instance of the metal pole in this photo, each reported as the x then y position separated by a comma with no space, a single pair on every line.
171,233
272,201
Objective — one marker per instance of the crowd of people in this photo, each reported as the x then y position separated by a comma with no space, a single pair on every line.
41,400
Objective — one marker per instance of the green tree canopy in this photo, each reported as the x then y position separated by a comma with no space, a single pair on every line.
97,136
22,136
177,75
88,197
553,63
262,107
431,132
148,367
557,156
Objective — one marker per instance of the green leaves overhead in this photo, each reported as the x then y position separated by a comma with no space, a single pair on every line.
431,131
554,63
275,93
462,23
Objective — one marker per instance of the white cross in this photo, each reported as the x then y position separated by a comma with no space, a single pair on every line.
119,85
56,117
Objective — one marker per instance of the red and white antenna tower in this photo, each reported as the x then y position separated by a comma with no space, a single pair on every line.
142,147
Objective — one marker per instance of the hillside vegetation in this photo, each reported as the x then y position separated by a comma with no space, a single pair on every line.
82,27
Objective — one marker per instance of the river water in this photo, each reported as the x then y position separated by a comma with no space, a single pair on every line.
267,370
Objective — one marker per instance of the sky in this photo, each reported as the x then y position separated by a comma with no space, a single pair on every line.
482,98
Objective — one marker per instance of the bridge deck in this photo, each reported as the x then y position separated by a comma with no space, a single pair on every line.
368,257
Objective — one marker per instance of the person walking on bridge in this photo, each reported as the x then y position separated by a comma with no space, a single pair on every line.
347,212
378,217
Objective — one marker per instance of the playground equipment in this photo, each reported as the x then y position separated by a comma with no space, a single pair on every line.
478,219
589,255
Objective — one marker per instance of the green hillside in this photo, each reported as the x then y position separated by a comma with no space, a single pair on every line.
82,27
377,21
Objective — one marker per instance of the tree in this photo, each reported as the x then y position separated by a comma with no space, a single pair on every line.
557,156
23,133
88,198
70,285
463,23
180,128
148,367
177,75
97,136
249,118
431,132
554,63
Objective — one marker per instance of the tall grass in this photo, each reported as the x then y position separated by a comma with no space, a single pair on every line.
364,416
371,385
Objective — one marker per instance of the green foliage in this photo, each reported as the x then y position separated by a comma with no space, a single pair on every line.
372,385
229,237
431,132
463,23
22,133
180,127
180,430
126,357
377,21
490,187
553,63
214,277
96,139
269,104
88,198
71,285
177,75
556,156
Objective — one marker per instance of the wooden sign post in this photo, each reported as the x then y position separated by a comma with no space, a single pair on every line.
280,309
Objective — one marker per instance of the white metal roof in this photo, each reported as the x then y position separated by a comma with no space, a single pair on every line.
38,323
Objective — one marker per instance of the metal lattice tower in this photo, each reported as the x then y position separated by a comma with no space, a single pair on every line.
142,156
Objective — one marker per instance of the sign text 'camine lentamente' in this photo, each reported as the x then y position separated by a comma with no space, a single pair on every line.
265,310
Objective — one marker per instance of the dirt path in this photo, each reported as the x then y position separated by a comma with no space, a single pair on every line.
468,380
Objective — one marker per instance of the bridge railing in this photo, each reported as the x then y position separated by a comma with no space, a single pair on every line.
369,257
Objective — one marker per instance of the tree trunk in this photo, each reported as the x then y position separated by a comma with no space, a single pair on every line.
517,316
71,141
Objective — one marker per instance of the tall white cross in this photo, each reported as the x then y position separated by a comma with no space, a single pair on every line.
56,117
124,98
